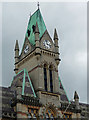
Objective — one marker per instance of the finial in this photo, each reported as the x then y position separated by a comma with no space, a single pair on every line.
16,45
55,34
76,95
38,4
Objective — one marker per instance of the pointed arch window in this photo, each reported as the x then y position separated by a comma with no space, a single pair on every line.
45,77
51,80
50,114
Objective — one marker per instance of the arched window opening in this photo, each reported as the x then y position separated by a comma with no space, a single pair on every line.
45,77
49,114
33,27
51,80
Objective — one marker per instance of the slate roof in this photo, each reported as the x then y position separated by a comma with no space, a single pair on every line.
5,109
84,104
7,96
27,87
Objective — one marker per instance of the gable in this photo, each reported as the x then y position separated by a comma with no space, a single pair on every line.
26,43
27,87
47,37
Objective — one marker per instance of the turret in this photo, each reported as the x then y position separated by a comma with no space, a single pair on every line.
56,46
18,89
16,56
37,41
56,41
76,98
37,35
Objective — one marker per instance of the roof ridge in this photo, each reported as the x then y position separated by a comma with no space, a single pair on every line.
83,103
35,12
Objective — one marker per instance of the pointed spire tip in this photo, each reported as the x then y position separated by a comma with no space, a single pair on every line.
55,34
16,45
76,95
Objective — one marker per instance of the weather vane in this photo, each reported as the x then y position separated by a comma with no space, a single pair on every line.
38,4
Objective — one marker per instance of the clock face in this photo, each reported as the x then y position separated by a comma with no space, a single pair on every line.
26,49
47,44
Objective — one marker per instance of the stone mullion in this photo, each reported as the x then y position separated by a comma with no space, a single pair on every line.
48,78
53,79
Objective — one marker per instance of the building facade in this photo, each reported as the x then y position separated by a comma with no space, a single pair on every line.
36,90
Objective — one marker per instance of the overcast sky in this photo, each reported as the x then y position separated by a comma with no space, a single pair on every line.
70,20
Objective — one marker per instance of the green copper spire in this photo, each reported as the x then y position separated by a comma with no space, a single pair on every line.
30,34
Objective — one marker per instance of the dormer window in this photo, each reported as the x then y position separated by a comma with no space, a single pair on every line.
33,27
28,32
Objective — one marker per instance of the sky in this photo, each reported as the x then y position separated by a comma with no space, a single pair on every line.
70,20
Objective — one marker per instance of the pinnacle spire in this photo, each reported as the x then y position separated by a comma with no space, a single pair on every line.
55,34
36,29
76,95
16,45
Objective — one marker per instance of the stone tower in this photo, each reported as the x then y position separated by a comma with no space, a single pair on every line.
40,57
